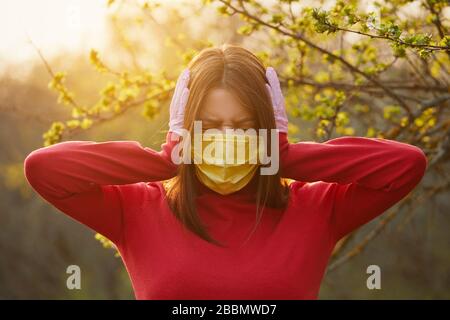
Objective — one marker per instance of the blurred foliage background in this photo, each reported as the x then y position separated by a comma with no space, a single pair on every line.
363,68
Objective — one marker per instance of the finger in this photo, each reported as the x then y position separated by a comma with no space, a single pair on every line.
273,78
269,89
183,101
274,84
184,78
182,82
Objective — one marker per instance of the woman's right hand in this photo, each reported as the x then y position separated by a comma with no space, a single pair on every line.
178,103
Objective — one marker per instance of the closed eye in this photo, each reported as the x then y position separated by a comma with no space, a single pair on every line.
245,124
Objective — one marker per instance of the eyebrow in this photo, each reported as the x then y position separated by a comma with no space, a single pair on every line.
214,120
245,120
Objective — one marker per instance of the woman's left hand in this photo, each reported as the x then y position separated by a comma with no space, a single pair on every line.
276,95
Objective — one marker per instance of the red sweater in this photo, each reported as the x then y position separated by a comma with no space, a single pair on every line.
114,188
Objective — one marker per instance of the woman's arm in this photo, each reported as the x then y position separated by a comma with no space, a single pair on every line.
83,178
370,174
80,177
373,173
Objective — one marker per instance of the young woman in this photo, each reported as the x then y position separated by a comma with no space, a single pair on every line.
185,232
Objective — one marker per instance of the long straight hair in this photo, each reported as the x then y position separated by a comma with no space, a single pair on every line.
238,70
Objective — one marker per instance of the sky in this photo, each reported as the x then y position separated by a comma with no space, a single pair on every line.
56,26
52,25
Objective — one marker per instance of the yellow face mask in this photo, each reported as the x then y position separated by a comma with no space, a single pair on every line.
228,161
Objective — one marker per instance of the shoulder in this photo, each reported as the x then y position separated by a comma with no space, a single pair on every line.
316,193
299,188
136,194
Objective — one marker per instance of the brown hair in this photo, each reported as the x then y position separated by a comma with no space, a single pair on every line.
234,68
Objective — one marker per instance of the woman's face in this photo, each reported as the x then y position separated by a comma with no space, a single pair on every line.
222,110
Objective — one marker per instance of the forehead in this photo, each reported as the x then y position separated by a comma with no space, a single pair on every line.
222,105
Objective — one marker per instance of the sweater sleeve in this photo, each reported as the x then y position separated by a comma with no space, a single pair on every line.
371,174
81,178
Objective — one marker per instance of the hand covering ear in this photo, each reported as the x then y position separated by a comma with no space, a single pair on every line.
277,98
178,103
